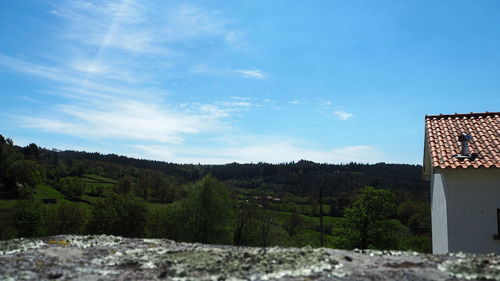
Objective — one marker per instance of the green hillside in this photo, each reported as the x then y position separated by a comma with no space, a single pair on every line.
47,192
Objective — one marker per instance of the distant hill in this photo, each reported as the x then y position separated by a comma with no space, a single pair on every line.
300,178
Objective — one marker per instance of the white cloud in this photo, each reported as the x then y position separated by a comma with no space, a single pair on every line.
116,24
91,67
107,110
188,21
277,151
127,119
70,83
113,56
108,93
133,42
342,115
325,104
130,26
240,98
214,110
238,104
39,70
252,73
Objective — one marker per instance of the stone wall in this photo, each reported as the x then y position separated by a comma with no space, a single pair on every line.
104,257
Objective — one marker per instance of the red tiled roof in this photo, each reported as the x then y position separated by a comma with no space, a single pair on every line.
442,137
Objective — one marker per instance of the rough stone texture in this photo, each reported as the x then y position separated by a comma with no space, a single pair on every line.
104,257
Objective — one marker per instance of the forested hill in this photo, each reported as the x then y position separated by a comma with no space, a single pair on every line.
300,178
46,192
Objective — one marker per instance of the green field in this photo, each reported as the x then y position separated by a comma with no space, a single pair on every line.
46,191
89,178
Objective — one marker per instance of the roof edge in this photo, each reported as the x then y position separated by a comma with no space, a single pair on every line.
482,166
472,114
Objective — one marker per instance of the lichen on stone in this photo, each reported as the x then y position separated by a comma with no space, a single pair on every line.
251,263
19,245
375,252
472,267
194,261
104,257
93,240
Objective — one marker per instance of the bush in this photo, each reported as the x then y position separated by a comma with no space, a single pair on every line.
160,224
70,218
28,218
123,215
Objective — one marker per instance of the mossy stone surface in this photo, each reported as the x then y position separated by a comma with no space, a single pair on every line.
103,257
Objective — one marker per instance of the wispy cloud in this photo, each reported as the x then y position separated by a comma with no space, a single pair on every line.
240,98
127,119
130,26
252,73
108,80
106,110
110,91
108,24
325,104
189,21
342,115
136,41
271,151
69,83
237,103
327,107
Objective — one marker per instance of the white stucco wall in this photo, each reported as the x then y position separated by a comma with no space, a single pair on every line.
439,216
472,199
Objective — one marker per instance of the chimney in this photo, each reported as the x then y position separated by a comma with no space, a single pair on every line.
464,143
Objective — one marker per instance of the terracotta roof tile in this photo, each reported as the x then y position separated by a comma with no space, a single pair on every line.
442,137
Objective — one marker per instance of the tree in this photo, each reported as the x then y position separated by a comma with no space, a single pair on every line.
8,155
125,185
32,151
61,170
420,222
406,210
367,222
26,174
74,188
123,215
8,228
142,187
266,222
293,223
206,214
28,217
416,215
159,224
245,212
71,218
339,203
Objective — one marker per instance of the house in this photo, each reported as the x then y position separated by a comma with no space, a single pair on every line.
462,163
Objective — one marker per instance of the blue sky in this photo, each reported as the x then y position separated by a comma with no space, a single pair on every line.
244,81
